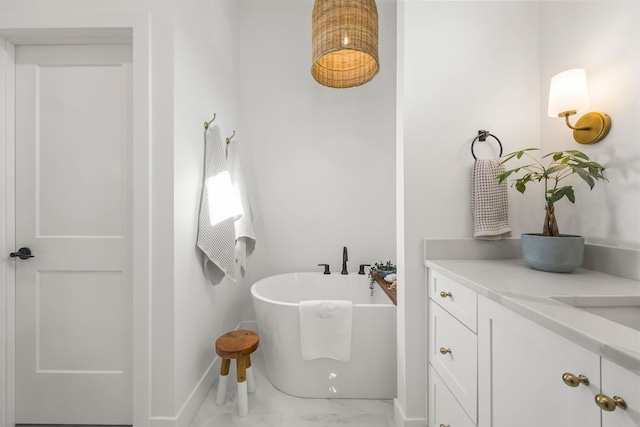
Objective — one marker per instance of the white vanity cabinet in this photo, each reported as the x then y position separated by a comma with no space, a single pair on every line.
452,350
521,368
619,382
491,365
444,409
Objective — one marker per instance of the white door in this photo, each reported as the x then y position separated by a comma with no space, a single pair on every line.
73,211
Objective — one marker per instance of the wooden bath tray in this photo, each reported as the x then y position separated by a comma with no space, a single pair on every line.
391,293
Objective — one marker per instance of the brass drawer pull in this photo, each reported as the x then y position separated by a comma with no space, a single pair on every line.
444,294
442,425
573,381
607,403
445,350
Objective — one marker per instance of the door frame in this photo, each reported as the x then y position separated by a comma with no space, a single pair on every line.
77,28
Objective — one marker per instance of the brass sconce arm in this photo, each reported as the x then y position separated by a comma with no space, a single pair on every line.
566,115
590,128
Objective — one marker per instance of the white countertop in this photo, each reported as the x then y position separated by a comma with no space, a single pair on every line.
516,286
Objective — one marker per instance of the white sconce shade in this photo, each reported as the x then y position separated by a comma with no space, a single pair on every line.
568,92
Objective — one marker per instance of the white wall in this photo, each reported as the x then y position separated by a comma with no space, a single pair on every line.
322,160
466,66
601,37
206,82
487,65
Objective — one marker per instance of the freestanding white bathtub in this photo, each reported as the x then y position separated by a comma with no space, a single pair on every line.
371,369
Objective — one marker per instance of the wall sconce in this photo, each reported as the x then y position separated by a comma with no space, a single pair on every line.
568,95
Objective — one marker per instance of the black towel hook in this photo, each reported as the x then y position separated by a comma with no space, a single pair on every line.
482,136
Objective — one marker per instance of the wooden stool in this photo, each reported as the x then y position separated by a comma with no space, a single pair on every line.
237,345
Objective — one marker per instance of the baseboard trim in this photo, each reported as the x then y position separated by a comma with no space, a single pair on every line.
193,402
196,398
162,422
200,391
401,420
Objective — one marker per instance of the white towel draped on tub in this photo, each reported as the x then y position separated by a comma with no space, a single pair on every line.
325,329
245,237
489,201
219,208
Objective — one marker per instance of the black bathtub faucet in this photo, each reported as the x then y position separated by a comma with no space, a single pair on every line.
345,258
362,266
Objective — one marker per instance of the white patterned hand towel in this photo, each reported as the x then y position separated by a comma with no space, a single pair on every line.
219,208
245,236
489,201
325,329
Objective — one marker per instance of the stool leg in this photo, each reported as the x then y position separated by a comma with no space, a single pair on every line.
222,381
243,398
251,384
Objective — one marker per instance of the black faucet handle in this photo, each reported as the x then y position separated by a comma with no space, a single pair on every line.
326,268
362,266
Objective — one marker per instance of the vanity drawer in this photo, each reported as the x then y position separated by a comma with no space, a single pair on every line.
444,409
453,353
457,299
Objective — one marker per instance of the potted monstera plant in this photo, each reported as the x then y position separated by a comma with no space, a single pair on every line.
550,250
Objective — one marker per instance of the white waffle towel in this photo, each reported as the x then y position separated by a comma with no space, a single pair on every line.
219,208
325,329
489,201
245,236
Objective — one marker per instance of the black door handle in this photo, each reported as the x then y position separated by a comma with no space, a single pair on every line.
23,253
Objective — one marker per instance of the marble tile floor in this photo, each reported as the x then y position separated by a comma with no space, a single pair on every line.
269,407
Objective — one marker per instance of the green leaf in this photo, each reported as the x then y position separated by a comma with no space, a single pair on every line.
596,169
554,169
504,175
525,179
570,195
585,176
555,195
576,153
508,157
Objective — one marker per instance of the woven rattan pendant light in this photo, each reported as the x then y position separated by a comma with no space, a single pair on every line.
344,38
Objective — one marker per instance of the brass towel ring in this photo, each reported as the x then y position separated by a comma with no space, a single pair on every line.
482,136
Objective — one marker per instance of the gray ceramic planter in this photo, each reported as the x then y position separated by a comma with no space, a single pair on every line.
555,254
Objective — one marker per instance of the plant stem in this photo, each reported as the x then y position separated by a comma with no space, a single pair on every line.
550,227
